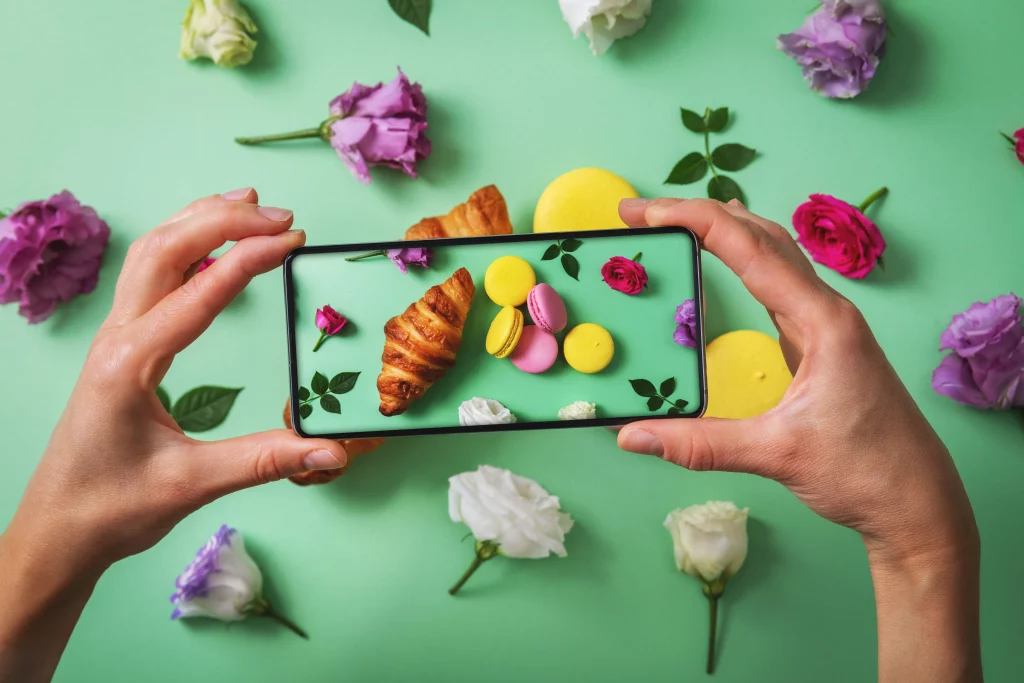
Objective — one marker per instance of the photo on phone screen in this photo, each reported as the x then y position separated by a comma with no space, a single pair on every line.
493,333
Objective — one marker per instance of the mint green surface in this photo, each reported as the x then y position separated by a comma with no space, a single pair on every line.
95,100
371,291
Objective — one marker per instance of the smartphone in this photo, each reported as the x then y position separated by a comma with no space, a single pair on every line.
400,366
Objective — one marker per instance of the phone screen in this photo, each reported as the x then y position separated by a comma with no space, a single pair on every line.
495,333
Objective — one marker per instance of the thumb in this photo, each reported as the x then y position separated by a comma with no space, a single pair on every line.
245,461
704,443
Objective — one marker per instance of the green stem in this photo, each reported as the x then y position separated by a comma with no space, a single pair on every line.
712,628
872,198
369,254
323,335
1009,139
284,621
707,148
638,255
485,550
294,135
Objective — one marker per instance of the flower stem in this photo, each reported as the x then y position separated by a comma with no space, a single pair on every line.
294,135
872,198
638,255
369,254
707,148
285,621
1013,143
712,628
485,550
323,335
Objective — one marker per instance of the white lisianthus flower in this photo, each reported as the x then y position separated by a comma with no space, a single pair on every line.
484,411
604,21
579,410
219,30
508,514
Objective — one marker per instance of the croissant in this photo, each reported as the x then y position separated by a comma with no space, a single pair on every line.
484,213
420,345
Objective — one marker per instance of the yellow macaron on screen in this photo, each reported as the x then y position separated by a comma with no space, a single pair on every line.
561,329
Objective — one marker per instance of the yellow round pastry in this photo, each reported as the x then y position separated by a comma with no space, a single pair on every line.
504,333
588,348
508,281
747,374
584,199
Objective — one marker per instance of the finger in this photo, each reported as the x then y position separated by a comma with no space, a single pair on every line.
244,194
157,262
185,313
246,461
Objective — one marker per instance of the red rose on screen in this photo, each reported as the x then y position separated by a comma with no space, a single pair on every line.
1019,147
329,320
624,275
838,235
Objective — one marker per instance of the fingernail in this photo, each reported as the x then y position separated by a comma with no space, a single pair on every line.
641,441
634,201
240,193
736,202
321,460
297,235
274,213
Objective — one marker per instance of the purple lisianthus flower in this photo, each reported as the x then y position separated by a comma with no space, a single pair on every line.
686,324
991,329
403,258
222,581
382,124
839,46
50,252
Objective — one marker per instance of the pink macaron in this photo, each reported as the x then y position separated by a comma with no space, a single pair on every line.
547,308
536,350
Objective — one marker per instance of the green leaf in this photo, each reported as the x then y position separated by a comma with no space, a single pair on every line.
305,410
203,408
303,393
319,384
1012,141
654,402
690,169
551,252
642,387
343,382
732,157
667,387
163,397
571,244
416,12
329,403
680,403
718,120
724,188
571,266
692,120
674,411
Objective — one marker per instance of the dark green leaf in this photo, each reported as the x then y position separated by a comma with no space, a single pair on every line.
305,410
551,252
571,266
343,382
718,120
164,398
674,411
416,12
303,393
692,120
680,403
571,245
203,408
654,402
724,188
329,403
1013,143
642,387
690,169
319,384
732,157
667,387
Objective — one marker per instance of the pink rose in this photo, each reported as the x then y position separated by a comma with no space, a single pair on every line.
1019,148
329,322
839,235
624,275
206,263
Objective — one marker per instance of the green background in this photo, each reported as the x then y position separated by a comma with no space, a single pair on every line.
371,291
95,100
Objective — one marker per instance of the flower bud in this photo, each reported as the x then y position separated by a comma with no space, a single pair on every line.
218,30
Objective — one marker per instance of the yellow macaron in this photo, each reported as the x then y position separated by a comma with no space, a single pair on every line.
506,328
588,348
508,281
747,374
583,199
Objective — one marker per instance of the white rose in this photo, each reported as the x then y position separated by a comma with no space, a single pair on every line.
484,411
580,410
604,21
218,30
512,511
710,540
222,581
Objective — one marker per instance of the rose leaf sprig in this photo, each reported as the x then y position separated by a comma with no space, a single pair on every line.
200,409
326,392
564,248
710,543
508,515
1016,143
839,235
416,12
222,582
657,397
728,157
402,258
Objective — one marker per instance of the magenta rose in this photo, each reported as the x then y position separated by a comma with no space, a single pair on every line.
1018,144
624,275
329,322
206,263
838,235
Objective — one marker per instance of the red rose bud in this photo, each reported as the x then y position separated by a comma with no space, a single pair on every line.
329,322
839,235
624,275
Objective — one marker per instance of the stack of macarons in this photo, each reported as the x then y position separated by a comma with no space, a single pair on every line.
510,282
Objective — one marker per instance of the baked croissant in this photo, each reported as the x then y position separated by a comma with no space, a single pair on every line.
484,213
420,345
